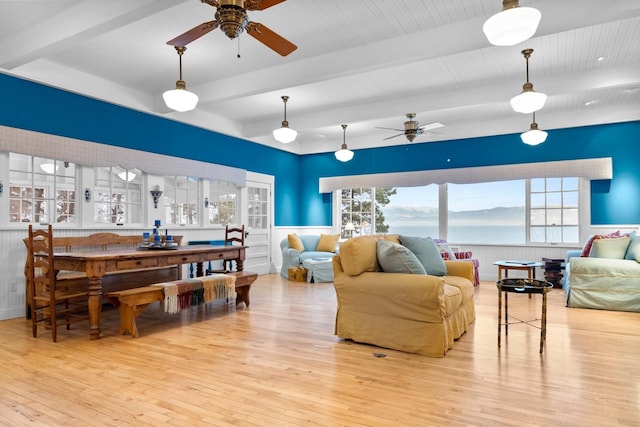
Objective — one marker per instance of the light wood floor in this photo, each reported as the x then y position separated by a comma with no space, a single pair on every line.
278,363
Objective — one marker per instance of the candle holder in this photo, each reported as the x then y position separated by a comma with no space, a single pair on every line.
156,193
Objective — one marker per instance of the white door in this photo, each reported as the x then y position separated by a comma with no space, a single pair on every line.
259,213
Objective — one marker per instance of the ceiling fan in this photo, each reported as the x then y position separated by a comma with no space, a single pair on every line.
412,128
231,17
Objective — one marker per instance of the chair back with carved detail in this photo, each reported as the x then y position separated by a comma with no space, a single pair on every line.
49,305
232,235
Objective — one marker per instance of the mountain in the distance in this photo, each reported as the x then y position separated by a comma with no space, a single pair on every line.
426,215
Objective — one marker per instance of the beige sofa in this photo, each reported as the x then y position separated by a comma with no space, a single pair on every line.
414,313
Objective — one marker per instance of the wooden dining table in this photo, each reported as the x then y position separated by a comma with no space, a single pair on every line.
95,264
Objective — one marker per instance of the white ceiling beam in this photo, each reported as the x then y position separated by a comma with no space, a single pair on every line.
83,21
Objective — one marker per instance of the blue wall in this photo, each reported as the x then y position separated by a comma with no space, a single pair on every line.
297,200
612,202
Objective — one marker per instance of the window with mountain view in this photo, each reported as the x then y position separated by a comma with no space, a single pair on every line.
487,212
542,210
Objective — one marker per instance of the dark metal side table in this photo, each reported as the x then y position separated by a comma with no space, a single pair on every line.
522,286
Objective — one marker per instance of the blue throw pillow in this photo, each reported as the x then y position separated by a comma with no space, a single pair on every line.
633,251
427,253
395,258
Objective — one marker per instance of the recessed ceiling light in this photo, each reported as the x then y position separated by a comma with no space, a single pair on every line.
601,58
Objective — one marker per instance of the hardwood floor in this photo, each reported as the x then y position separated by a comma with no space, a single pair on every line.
278,363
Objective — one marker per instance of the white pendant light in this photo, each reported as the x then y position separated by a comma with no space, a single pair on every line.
180,99
534,136
529,100
344,154
513,25
127,176
285,134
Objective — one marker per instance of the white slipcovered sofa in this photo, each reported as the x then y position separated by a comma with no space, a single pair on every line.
607,279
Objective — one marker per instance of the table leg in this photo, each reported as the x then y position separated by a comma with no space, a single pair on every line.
543,328
499,316
94,303
199,269
506,314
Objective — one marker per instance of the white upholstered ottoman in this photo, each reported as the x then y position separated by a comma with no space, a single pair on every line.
319,270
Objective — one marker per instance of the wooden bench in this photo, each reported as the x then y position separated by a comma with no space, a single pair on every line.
132,302
112,281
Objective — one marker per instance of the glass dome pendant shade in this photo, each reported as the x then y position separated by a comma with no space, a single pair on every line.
529,100
285,134
534,136
513,25
344,154
180,99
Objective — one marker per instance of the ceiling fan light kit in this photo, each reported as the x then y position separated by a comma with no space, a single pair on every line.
534,136
285,134
180,99
513,25
344,154
529,100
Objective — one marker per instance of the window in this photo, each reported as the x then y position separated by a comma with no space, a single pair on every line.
554,210
413,211
258,205
181,199
117,197
41,190
545,210
361,211
487,212
223,203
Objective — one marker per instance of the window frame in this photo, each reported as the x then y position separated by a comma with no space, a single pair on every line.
105,181
584,212
51,183
180,206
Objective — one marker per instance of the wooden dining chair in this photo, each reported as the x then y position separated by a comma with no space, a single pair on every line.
232,235
48,303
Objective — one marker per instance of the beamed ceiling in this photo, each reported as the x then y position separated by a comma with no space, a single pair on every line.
363,63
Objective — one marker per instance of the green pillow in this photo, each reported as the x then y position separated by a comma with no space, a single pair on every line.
427,253
633,251
610,248
395,258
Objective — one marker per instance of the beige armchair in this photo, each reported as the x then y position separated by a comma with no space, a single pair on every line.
416,313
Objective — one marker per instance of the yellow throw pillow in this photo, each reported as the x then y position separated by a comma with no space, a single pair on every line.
295,242
328,242
359,254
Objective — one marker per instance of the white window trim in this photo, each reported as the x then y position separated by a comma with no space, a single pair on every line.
584,208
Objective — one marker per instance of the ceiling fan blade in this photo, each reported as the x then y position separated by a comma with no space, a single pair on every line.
260,4
270,39
430,126
384,139
193,34
399,130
